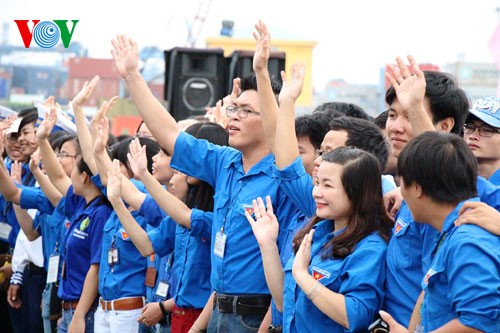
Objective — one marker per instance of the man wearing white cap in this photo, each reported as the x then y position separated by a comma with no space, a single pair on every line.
482,134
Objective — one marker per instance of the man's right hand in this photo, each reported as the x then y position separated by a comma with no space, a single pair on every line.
14,296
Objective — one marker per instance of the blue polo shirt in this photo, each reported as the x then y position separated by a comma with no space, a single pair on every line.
82,245
359,277
240,271
409,255
127,277
7,214
463,280
34,198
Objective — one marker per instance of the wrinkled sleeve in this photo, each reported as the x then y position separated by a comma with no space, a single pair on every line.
363,282
201,223
198,158
297,185
151,211
475,280
163,237
34,198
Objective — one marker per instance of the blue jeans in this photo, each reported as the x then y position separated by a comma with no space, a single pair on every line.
67,316
231,322
47,327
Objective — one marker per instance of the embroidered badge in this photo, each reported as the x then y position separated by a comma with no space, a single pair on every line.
248,209
67,224
319,273
400,225
124,235
85,223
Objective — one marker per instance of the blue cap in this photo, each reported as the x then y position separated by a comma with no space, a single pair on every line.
488,110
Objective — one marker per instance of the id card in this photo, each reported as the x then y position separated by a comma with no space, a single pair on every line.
113,257
53,268
220,244
5,229
150,277
162,289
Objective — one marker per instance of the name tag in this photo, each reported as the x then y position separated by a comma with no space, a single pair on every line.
53,268
220,244
162,289
5,229
113,257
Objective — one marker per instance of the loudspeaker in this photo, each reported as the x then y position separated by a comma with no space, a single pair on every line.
240,64
194,80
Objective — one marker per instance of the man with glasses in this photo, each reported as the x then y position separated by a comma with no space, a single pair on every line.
482,134
239,174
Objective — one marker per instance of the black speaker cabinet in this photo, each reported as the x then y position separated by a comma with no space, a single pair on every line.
240,64
194,80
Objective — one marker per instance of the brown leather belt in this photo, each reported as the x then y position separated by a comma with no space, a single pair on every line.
66,305
123,304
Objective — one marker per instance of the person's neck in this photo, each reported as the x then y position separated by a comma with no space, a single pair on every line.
339,224
487,168
90,194
253,156
437,214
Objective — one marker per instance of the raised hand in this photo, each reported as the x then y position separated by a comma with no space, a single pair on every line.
16,172
99,125
126,55
292,88
35,160
50,103
410,88
265,226
47,124
303,255
114,182
137,158
88,87
262,48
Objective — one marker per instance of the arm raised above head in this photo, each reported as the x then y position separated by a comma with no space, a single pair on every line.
159,121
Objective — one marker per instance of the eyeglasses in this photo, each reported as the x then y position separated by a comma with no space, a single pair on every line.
241,112
484,131
64,155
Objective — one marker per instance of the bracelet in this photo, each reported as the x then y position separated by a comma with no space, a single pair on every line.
315,290
196,329
162,308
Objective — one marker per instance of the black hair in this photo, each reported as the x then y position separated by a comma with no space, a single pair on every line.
442,164
348,109
54,137
311,127
361,179
120,150
250,83
28,116
381,119
365,135
123,137
445,97
202,196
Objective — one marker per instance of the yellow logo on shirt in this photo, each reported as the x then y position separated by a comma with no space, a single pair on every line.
85,223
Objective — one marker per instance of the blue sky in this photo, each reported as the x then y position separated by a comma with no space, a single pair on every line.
355,38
